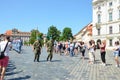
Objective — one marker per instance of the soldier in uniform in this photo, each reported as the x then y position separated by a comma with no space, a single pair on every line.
37,49
50,48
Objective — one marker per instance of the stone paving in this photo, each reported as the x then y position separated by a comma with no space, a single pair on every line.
22,67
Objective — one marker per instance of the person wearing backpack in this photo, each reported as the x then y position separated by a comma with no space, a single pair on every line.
4,47
83,48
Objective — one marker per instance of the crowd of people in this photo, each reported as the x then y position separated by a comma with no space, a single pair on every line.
66,48
17,44
73,48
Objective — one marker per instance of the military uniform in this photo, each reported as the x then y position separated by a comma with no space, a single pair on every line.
50,45
37,50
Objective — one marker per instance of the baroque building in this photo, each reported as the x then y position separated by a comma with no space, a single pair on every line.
85,34
106,21
15,33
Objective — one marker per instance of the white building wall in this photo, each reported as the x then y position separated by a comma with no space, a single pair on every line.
102,7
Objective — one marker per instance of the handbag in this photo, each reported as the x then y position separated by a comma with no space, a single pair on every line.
2,55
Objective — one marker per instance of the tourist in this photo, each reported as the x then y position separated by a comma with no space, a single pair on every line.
83,48
4,46
116,53
102,52
91,48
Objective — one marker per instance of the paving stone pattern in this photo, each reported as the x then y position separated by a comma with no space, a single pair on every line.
22,67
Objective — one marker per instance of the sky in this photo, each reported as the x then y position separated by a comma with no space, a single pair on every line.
26,15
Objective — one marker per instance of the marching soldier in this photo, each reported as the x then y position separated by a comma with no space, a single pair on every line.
37,49
50,48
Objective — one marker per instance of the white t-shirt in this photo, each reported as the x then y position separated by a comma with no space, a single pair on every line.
71,46
2,47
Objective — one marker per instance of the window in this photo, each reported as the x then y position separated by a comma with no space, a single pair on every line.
110,4
110,42
98,31
110,16
99,7
119,14
119,28
110,30
99,18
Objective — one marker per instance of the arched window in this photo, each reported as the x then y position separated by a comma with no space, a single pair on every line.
99,18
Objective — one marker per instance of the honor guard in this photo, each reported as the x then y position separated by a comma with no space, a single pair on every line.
50,45
37,49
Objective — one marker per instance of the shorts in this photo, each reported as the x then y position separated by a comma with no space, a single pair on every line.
115,53
4,61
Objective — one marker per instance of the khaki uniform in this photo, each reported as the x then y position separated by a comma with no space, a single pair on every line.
37,50
50,50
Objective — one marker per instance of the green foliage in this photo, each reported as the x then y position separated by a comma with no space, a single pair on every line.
26,43
32,40
67,34
53,33
34,35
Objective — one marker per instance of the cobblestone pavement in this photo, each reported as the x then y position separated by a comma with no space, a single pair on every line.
22,67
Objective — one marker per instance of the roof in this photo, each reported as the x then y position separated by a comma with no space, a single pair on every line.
83,29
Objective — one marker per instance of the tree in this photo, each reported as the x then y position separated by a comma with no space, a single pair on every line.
53,33
67,33
34,35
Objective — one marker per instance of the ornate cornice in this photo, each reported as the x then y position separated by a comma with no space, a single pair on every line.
99,12
110,10
109,22
94,2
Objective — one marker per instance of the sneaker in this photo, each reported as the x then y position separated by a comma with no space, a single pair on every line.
117,65
103,64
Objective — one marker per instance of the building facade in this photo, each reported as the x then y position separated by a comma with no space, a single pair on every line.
15,33
106,21
84,34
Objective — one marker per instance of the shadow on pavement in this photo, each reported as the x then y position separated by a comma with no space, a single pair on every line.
108,64
43,60
50,61
56,61
10,69
10,72
20,78
86,58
